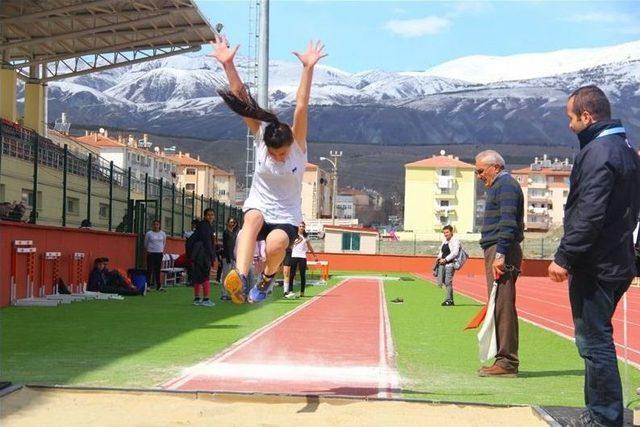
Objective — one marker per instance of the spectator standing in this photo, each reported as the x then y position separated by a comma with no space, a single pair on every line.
200,251
502,232
154,243
229,237
596,252
299,261
449,251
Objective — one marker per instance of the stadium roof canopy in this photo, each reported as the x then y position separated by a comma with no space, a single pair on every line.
45,40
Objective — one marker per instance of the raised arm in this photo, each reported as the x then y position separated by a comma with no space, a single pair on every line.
309,59
225,56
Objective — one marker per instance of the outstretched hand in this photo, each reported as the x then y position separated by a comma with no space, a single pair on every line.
221,50
312,55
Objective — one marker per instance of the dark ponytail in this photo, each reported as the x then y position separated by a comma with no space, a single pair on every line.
276,134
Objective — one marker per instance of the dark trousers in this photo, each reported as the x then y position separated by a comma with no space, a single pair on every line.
154,263
302,264
593,303
506,316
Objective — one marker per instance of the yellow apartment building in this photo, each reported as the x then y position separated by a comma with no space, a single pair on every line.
439,191
317,196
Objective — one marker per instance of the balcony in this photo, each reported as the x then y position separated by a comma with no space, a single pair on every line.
539,199
538,225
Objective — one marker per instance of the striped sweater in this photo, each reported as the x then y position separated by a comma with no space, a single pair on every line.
503,215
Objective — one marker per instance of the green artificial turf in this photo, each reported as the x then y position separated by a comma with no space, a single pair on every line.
138,342
145,341
437,360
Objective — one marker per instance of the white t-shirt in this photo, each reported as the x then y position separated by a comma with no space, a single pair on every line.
154,241
299,249
276,189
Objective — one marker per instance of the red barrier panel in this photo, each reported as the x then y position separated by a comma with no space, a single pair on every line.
118,247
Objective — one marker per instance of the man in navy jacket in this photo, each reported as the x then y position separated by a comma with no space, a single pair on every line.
596,252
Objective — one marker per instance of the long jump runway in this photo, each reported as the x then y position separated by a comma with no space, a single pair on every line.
338,343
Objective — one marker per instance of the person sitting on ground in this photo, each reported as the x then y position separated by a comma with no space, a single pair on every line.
109,282
449,251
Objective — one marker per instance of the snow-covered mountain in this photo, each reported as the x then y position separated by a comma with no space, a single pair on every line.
515,99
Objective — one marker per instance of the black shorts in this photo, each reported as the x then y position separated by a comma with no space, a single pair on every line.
287,258
291,230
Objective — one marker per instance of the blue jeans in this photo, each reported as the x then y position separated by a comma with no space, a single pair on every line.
593,303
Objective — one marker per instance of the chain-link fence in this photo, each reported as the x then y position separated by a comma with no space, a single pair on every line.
43,183
532,248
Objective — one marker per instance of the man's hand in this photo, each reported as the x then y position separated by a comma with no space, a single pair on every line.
442,261
498,267
557,273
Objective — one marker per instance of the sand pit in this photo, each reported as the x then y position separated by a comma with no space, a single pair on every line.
77,407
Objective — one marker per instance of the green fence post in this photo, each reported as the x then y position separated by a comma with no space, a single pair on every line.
202,206
193,205
65,159
173,205
129,204
146,197
110,194
36,153
182,214
89,164
160,203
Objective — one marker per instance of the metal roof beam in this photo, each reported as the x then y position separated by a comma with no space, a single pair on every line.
89,31
149,41
57,11
116,65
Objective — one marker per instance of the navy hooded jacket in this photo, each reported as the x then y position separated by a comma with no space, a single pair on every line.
602,207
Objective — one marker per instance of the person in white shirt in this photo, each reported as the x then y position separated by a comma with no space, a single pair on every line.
299,260
273,209
449,251
154,243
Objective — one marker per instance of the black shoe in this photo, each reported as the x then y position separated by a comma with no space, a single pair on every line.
397,300
447,303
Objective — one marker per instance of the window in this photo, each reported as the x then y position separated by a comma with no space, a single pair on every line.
167,223
2,193
190,187
103,210
445,172
191,171
27,198
350,241
222,192
444,203
565,194
73,206
444,220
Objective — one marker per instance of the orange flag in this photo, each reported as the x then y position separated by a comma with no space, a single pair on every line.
477,319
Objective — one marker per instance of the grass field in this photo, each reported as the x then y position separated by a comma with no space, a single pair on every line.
437,359
144,341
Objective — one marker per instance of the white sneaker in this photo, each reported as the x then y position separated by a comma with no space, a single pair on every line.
207,303
291,295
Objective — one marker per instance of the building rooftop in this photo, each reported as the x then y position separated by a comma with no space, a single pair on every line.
185,159
441,161
100,141
542,171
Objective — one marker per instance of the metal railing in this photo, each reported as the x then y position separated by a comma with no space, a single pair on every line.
63,181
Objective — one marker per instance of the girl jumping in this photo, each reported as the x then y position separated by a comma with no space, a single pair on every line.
273,209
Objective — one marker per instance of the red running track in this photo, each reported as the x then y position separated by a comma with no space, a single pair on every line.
338,343
545,303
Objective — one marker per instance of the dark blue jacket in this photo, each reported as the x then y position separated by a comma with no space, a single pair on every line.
602,208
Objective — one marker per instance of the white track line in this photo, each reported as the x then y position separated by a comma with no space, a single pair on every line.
390,382
194,371
560,334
